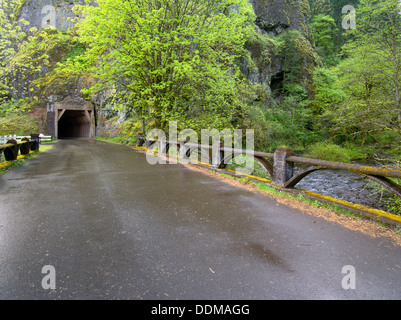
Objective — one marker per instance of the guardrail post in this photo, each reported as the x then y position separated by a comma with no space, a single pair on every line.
217,154
139,139
35,141
163,146
282,169
183,151
25,148
11,153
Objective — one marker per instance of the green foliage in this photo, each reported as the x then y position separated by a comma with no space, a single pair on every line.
11,109
14,119
328,151
290,48
12,36
390,201
287,118
328,97
320,7
337,15
129,129
288,125
358,152
327,91
260,49
393,205
27,58
372,72
181,59
19,125
324,29
359,100
75,54
332,152
176,60
65,52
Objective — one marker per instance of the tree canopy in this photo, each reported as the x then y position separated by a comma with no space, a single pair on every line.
172,59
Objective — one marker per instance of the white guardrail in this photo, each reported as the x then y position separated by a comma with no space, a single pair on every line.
3,140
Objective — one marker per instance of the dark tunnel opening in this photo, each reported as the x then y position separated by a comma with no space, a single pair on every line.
74,124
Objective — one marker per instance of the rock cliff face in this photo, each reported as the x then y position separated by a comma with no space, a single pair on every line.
272,15
52,12
278,15
55,14
274,19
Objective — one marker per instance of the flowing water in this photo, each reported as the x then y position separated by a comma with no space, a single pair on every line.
344,185
339,184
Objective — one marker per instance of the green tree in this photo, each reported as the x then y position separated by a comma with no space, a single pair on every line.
337,7
324,31
372,72
174,59
28,58
327,90
288,113
11,38
367,109
320,7
298,59
62,52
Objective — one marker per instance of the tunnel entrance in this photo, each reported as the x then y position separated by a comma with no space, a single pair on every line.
73,117
74,124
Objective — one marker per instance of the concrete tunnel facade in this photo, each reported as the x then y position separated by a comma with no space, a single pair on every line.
71,118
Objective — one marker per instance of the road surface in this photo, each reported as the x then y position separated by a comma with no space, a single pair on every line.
115,227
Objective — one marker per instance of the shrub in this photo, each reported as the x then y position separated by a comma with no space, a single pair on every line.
19,125
393,205
328,151
358,153
129,129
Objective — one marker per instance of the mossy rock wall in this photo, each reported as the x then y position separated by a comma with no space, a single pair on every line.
275,18
33,12
276,15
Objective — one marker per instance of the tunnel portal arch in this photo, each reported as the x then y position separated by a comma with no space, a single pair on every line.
72,118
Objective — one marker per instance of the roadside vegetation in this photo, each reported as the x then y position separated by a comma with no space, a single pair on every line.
344,101
336,95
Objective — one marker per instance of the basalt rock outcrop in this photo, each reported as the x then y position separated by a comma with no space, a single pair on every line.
274,19
57,13
275,16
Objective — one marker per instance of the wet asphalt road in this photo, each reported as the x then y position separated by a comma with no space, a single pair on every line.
115,227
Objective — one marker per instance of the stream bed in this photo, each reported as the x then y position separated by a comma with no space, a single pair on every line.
344,185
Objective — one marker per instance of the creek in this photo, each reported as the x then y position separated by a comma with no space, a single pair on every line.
345,185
